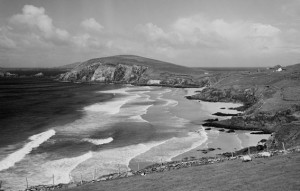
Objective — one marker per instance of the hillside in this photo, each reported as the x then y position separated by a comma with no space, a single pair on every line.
69,66
135,70
259,174
271,101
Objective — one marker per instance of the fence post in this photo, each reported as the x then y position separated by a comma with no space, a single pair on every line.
26,183
283,146
81,179
53,179
94,174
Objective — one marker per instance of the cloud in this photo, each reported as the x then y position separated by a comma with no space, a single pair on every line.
91,25
35,19
198,32
152,32
6,43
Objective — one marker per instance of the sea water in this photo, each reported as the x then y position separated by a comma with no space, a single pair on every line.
62,132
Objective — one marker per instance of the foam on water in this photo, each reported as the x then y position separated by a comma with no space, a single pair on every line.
174,147
61,169
112,160
99,141
110,107
102,115
165,91
36,141
169,102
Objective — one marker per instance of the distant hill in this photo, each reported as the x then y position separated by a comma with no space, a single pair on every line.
295,67
136,70
69,66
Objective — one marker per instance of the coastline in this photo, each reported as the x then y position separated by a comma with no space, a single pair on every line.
221,141
193,149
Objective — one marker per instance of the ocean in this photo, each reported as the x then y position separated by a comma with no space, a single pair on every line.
60,132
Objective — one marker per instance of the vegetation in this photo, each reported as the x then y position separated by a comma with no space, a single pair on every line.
275,173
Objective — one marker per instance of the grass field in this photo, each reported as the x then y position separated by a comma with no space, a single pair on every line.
275,173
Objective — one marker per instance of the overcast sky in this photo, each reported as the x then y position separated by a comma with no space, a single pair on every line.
203,33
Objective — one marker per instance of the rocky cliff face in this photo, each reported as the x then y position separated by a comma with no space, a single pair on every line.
99,72
141,71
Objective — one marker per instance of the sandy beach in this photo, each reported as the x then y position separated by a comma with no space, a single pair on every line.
220,141
137,127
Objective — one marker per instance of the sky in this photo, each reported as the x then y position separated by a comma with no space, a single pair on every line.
196,33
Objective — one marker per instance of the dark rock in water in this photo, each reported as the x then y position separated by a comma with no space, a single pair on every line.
230,131
224,114
259,133
222,108
208,128
222,130
219,149
211,149
263,140
211,120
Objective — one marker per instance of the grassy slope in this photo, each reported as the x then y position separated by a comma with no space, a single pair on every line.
276,92
276,173
69,66
279,90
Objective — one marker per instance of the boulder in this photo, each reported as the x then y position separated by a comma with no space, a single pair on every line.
264,154
39,75
230,131
246,158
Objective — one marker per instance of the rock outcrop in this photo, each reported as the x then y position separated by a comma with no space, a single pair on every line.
99,72
271,102
135,70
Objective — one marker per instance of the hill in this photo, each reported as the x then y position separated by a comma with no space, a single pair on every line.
271,101
259,174
270,97
135,70
69,66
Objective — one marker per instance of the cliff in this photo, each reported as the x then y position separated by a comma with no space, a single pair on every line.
135,70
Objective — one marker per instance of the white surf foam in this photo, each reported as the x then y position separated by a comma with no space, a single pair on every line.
110,107
36,141
174,147
102,115
62,168
169,102
138,118
112,160
99,141
165,91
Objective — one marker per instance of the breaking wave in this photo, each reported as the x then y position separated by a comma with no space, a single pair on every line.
99,141
36,141
62,168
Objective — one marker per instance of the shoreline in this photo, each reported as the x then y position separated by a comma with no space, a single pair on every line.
174,158
164,167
